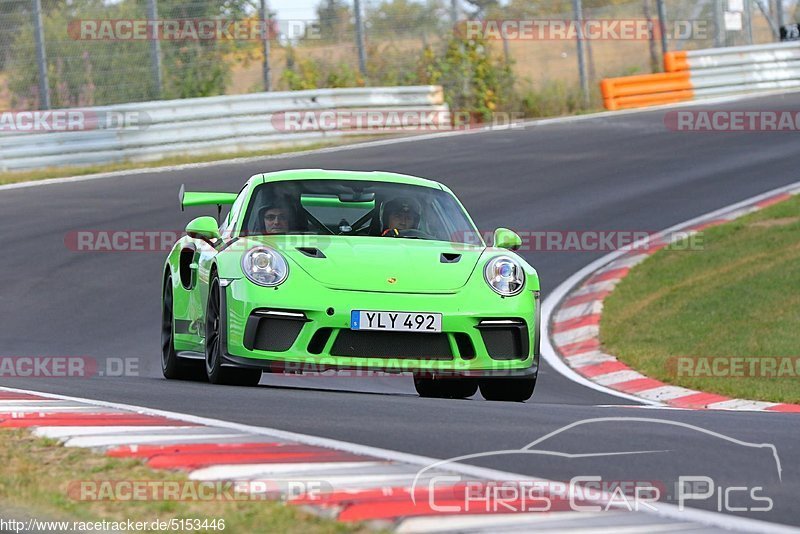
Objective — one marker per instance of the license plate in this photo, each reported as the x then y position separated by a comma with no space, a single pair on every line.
396,321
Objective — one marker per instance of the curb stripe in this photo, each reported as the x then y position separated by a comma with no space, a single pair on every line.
583,299
10,395
774,200
613,274
569,324
251,471
697,401
665,393
574,349
76,419
575,335
106,440
574,312
603,369
197,461
637,385
407,508
616,377
149,451
590,358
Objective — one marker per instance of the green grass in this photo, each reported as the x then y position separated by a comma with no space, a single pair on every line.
36,474
737,297
60,172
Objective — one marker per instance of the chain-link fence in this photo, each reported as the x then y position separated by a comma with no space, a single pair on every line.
67,53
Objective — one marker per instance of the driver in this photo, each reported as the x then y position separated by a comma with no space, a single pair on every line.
401,213
278,218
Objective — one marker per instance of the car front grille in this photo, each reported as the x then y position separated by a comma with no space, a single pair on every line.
409,345
274,333
505,342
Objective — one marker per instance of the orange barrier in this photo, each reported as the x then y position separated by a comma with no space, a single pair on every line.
713,72
646,90
640,101
676,61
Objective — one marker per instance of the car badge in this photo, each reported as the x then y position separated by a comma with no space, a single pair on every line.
392,280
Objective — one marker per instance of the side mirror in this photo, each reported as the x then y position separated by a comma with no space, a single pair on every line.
203,228
507,239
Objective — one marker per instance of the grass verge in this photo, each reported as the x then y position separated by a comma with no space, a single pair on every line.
736,298
37,473
60,172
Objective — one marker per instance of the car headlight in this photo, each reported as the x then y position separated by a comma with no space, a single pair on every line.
505,276
265,266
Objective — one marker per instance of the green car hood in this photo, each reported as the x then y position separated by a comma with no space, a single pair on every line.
394,265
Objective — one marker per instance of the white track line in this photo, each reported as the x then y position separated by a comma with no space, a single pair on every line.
169,439
57,432
249,471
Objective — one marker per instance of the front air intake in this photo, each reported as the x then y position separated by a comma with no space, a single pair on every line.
272,330
409,345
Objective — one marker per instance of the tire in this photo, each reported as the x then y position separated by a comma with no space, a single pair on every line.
171,366
216,373
449,388
508,389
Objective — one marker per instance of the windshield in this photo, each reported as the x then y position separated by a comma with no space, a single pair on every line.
357,208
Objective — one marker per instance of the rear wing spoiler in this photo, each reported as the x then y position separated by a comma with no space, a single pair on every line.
196,198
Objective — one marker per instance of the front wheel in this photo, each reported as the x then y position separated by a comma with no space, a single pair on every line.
217,374
508,389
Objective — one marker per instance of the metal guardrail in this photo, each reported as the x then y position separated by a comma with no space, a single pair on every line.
709,73
742,69
203,125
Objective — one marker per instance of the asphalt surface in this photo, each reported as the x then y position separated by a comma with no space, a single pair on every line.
627,172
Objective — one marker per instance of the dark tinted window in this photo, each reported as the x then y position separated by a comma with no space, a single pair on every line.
357,208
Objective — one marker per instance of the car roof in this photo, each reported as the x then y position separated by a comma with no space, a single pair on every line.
322,174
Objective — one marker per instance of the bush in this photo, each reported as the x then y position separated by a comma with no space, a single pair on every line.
554,98
310,73
473,79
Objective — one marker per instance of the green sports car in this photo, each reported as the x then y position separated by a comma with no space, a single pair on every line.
314,270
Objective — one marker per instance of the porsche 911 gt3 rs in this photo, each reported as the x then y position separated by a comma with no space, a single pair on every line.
313,270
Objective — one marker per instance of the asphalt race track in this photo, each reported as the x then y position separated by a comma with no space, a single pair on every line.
626,172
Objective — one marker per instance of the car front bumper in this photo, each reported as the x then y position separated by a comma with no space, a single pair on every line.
281,330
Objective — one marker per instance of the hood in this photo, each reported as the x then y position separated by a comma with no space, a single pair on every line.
368,263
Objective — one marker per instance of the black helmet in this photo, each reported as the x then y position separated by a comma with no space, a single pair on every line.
400,205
